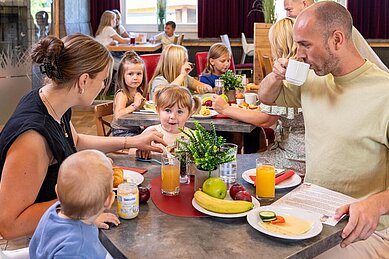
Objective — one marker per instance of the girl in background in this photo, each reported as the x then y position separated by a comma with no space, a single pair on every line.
106,33
173,68
174,105
132,90
218,62
119,28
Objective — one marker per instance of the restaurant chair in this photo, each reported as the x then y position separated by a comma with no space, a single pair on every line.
103,125
238,67
267,64
180,40
201,62
175,40
248,49
151,61
261,66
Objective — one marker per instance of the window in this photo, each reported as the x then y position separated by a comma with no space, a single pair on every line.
145,12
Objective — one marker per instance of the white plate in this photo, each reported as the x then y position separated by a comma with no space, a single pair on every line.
132,176
198,116
254,219
145,112
288,183
221,215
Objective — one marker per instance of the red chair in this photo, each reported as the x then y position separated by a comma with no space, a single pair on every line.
151,61
201,62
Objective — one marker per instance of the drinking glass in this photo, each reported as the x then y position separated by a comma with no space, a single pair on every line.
170,175
265,180
219,86
228,171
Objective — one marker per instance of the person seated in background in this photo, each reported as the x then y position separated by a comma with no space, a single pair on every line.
84,191
345,99
166,37
119,28
295,7
218,62
106,33
173,68
174,105
77,69
131,92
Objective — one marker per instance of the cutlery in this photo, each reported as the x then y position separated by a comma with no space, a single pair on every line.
148,160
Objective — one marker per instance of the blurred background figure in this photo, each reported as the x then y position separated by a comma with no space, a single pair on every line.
42,20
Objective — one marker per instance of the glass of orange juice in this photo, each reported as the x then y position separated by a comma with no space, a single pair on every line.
265,180
170,175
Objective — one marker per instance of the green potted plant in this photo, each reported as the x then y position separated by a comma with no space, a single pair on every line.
161,13
232,83
203,147
267,7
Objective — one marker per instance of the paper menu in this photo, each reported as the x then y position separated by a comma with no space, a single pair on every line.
316,199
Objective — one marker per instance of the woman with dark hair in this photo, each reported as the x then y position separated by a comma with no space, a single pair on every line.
39,135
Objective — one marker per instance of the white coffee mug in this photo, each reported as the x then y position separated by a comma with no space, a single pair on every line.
250,98
296,72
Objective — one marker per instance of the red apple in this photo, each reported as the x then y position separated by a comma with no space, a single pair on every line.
243,196
235,188
144,194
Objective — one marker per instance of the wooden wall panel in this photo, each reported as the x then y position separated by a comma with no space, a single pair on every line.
261,41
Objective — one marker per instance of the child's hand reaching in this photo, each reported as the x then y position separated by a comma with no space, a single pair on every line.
145,154
104,218
138,99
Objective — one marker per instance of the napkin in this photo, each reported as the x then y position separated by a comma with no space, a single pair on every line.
278,179
138,170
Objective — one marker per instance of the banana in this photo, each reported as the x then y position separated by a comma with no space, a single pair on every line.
221,206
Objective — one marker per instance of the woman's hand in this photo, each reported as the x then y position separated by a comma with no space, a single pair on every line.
102,220
147,141
219,104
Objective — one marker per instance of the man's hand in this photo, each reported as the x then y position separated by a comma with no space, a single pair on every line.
279,68
363,220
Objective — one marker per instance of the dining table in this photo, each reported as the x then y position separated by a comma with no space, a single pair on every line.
224,124
155,234
138,47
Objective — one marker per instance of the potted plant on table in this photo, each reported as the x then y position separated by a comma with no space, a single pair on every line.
232,83
203,147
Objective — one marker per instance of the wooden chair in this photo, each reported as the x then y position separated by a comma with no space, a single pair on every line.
267,64
180,40
175,39
261,71
103,126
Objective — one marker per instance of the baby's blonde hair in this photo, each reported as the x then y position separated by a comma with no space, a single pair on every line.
173,94
105,20
281,39
170,63
85,181
215,51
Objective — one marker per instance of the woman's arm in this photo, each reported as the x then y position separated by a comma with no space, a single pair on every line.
24,170
256,118
110,144
200,87
120,39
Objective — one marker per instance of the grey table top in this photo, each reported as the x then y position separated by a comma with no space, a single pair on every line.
227,124
156,234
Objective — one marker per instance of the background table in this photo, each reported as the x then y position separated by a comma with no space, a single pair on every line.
227,125
147,47
154,234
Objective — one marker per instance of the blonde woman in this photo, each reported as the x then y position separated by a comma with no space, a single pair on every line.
281,39
119,28
106,33
173,68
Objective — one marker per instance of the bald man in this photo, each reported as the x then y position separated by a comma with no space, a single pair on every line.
345,98
294,8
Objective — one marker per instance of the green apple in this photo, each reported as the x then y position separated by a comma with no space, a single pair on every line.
215,187
224,97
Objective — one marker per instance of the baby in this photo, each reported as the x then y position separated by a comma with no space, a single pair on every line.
84,190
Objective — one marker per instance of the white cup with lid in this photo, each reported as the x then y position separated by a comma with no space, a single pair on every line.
296,72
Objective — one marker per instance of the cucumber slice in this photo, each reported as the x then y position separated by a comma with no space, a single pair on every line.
267,216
